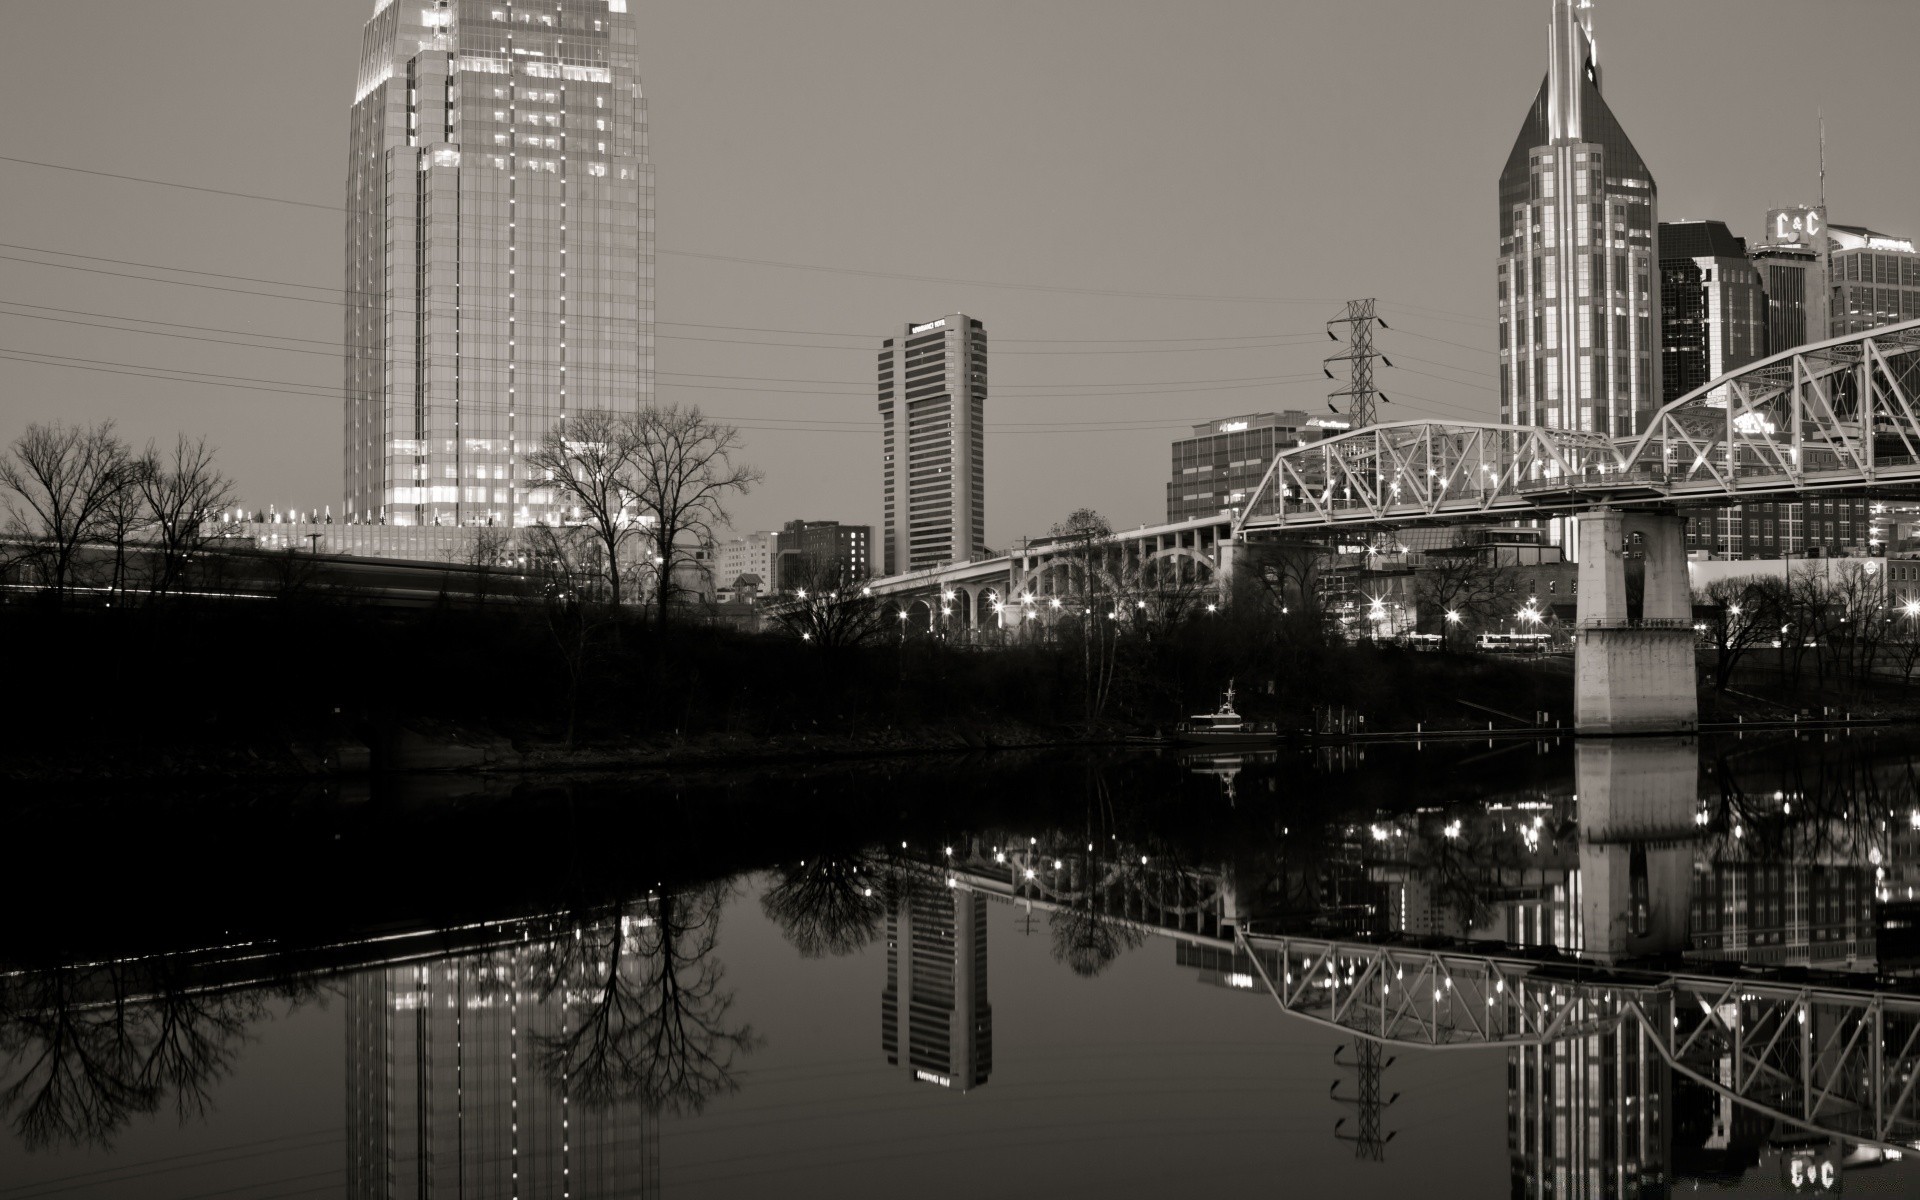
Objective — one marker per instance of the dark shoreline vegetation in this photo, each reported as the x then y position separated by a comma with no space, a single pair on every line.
320,684
401,851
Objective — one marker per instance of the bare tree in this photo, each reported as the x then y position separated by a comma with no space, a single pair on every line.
590,464
560,558
1474,591
827,905
1748,611
64,481
653,1024
183,496
821,610
684,473
1083,535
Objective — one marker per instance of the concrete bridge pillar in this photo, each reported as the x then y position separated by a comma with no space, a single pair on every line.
1633,674
1637,800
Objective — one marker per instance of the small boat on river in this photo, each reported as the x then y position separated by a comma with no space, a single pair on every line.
1224,727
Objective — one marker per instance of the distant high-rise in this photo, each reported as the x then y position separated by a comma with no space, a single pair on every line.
1579,337
934,1015
933,462
821,554
1713,314
499,250
1875,278
1792,261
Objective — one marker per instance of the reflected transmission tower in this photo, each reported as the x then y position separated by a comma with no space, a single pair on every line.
1359,392
1368,1143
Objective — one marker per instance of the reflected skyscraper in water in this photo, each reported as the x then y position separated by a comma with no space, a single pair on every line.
934,1014
453,1089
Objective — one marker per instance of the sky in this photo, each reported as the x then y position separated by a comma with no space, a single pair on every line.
1154,207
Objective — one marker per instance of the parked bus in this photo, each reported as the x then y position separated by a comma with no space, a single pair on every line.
1515,643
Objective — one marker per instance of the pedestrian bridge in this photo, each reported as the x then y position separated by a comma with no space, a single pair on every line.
1835,416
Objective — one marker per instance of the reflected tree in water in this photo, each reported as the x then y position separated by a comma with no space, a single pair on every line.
828,905
649,1012
81,1053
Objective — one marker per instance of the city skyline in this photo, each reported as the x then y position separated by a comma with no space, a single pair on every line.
1355,231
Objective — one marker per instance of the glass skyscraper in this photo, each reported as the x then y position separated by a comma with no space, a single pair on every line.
1579,331
499,249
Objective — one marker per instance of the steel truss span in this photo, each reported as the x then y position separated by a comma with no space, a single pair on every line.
1826,1059
1841,416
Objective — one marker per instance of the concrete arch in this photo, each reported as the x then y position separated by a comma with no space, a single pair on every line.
919,614
1172,553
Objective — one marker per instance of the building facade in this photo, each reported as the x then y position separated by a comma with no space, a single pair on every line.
451,1088
749,555
933,398
1713,311
499,250
1791,259
1224,460
1578,324
1875,279
817,553
934,1015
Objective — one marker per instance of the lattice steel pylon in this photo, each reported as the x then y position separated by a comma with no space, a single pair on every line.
1368,1142
1359,392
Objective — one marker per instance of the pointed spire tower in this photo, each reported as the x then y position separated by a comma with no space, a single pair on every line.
1579,305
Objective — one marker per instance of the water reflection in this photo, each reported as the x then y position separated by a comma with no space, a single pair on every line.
1686,956
87,1050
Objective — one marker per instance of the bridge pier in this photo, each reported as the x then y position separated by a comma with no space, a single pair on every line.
1637,800
1633,674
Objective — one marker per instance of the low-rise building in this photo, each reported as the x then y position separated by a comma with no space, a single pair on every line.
1221,464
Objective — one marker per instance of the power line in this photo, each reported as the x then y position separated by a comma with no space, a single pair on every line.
189,187
319,392
1448,366
1443,341
213,287
280,337
1440,314
162,333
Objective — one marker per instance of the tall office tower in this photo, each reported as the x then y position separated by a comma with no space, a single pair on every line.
1589,1116
934,1013
1579,336
1792,261
499,250
934,375
455,1085
1713,314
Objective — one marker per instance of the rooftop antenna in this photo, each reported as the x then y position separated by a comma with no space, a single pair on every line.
1823,161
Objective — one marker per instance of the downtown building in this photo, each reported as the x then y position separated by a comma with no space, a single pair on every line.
751,554
1578,313
933,395
1223,461
452,1086
934,1016
821,554
499,250
1816,281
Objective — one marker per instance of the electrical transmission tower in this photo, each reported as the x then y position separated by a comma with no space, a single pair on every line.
1359,392
1368,1144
